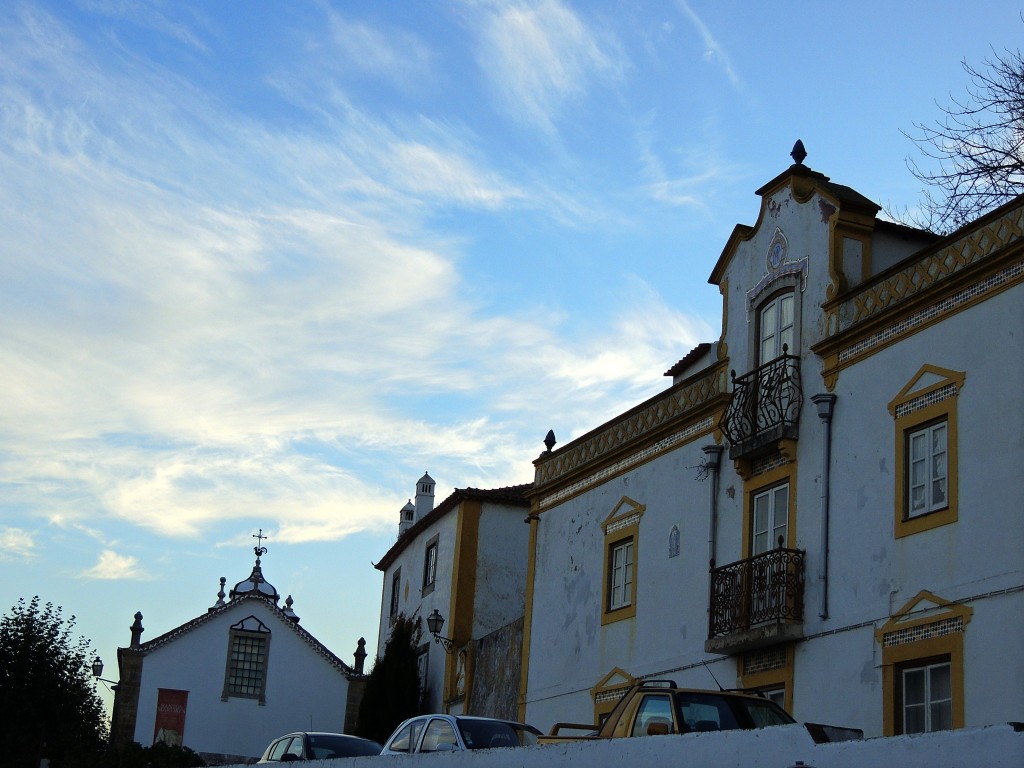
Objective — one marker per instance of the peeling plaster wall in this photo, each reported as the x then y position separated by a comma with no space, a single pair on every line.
496,665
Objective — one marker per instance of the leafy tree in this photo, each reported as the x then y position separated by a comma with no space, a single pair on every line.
48,704
392,691
135,755
977,146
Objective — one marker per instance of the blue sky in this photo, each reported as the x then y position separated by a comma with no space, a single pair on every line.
264,263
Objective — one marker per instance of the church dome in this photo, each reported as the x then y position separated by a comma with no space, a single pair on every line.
256,584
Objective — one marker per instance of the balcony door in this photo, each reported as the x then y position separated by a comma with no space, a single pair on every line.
776,324
770,519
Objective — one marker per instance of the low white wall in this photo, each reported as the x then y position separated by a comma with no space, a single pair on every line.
997,746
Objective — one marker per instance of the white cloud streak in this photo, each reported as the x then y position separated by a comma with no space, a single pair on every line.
203,319
541,57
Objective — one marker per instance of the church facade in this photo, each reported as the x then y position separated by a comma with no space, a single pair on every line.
234,678
826,504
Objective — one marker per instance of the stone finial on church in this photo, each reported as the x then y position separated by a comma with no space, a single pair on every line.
221,594
360,655
289,611
137,629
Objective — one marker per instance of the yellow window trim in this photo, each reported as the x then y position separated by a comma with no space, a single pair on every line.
939,631
622,524
609,690
772,478
768,668
930,396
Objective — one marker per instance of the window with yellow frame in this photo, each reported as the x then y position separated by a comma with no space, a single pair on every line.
923,666
926,450
621,547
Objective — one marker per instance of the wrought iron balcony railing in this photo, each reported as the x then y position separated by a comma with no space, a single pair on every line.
765,405
764,588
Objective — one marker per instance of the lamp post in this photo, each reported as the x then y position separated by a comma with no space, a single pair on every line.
434,623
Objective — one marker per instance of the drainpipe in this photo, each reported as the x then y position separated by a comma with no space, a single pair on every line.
825,403
714,454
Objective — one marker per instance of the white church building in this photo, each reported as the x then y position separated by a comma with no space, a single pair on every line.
826,504
229,681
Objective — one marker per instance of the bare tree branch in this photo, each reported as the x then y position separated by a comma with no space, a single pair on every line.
974,154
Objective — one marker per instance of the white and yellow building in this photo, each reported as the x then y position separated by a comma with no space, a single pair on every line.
827,503
464,559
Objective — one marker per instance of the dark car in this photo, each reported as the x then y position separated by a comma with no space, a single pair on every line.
316,745
454,733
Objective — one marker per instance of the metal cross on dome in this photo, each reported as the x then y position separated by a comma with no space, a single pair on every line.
259,549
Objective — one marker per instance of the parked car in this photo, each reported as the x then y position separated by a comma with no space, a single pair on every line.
316,745
657,707
451,733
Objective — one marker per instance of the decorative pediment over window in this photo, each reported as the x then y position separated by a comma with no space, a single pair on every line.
930,382
251,624
924,617
626,513
610,689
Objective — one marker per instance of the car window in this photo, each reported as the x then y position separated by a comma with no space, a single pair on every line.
705,712
277,749
653,716
439,736
325,746
295,748
491,734
401,741
765,713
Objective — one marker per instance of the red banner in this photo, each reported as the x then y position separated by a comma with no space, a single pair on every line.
169,727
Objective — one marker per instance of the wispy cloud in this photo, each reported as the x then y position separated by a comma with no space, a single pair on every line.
541,57
713,50
16,544
204,318
114,567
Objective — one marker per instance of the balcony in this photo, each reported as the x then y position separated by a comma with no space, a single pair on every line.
756,602
764,408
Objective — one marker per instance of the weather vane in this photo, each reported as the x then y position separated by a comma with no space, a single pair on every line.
259,549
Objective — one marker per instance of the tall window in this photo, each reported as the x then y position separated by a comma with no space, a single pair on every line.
776,327
621,541
620,587
396,586
246,674
770,519
927,698
430,565
928,470
926,450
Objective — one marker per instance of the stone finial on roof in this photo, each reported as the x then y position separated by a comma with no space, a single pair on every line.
137,629
288,611
360,656
220,595
799,153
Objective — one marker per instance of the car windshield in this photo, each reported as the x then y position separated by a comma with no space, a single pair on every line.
765,713
328,745
488,734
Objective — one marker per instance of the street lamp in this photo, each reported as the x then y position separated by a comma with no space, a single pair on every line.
97,670
434,623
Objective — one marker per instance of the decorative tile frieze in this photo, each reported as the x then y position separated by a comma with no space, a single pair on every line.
941,628
962,253
910,323
922,402
677,438
764,660
658,413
